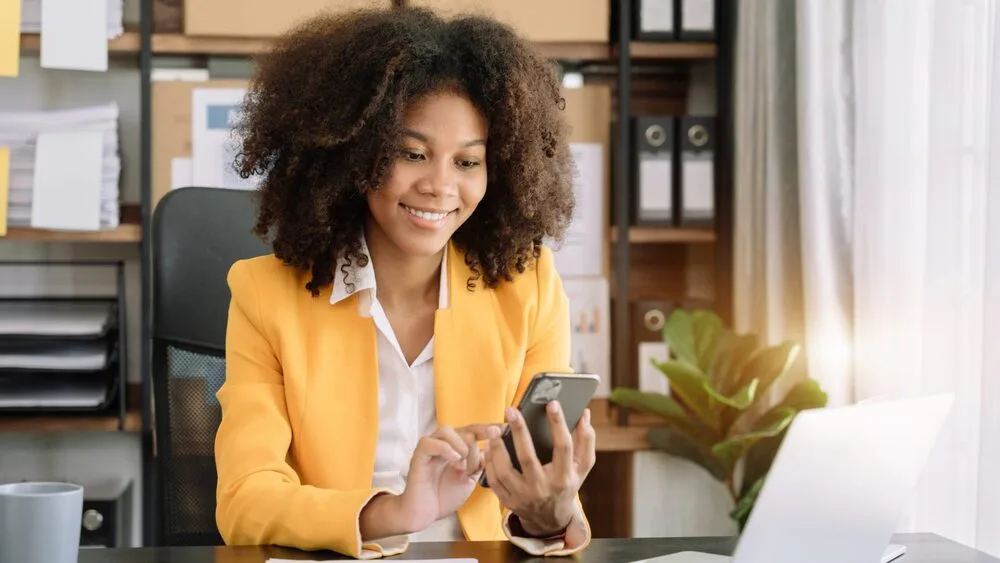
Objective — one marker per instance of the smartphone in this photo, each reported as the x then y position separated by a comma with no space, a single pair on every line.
573,391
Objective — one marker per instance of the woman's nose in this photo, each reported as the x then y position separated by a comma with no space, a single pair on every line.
440,179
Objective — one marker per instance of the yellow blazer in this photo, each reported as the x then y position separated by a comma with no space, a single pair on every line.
295,451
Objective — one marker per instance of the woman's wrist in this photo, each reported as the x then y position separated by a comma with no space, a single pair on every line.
384,517
542,529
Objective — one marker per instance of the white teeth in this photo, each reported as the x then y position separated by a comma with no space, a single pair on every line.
426,214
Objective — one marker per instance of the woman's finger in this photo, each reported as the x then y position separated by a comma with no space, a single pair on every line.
585,444
503,469
531,468
503,495
562,441
478,432
429,448
451,436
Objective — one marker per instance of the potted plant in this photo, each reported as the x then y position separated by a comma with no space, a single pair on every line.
730,401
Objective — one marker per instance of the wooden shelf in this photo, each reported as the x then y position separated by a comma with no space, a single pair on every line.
179,44
129,231
128,42
125,233
622,439
673,50
661,235
69,423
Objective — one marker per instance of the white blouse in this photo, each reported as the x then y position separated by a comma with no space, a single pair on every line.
405,391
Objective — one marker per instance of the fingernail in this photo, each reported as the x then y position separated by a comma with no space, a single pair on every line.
586,415
511,414
554,407
494,432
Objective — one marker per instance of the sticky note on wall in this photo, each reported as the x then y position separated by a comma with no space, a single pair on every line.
10,37
4,187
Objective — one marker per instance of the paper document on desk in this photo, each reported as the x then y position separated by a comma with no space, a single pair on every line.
687,557
273,560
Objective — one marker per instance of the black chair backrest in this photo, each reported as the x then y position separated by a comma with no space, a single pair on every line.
198,233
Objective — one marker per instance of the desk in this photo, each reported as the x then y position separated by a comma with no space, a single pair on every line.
921,548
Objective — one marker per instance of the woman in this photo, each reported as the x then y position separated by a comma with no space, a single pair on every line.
410,170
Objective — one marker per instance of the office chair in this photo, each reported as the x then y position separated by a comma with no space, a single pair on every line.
197,235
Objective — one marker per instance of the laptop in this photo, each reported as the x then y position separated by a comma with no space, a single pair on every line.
839,484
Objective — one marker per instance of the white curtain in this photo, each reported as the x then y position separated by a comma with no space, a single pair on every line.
925,94
895,173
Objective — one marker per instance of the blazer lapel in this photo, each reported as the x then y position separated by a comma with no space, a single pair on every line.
471,377
470,371
341,415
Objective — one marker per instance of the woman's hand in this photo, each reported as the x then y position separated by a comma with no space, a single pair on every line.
542,497
443,472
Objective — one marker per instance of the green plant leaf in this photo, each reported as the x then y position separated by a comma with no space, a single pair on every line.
733,353
806,394
663,406
666,408
689,384
744,506
678,333
730,451
766,366
677,443
708,332
758,460
740,400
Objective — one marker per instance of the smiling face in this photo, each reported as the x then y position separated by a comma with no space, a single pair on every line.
437,179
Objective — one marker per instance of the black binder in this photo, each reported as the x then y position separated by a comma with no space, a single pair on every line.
697,171
653,170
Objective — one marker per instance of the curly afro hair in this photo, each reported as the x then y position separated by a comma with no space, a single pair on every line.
323,118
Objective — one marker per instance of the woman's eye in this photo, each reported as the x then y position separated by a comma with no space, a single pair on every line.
468,163
413,156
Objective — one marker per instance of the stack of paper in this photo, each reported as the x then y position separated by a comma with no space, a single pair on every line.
64,168
57,354
31,17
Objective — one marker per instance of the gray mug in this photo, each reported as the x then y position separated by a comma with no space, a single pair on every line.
40,522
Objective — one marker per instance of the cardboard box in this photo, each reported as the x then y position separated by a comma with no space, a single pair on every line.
259,18
171,109
543,21
588,111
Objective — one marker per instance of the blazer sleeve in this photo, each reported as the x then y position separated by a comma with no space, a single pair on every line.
260,498
548,350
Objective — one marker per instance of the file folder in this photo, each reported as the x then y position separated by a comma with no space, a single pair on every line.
696,19
697,171
654,20
654,170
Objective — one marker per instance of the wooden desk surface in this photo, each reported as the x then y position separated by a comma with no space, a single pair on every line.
921,548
